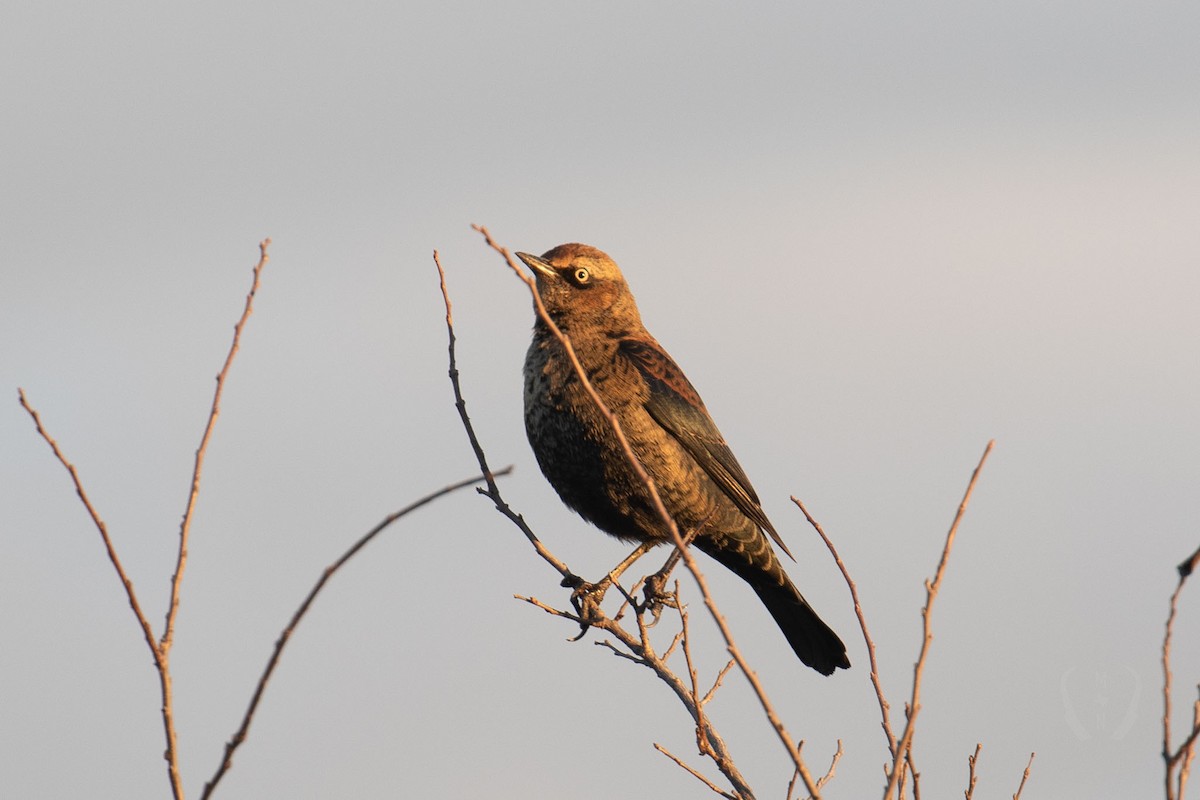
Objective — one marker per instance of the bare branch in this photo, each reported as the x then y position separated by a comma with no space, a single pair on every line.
161,647
931,591
717,683
126,582
701,723
643,654
533,601
638,645
694,773
972,760
915,773
884,706
776,723
1188,749
1024,777
168,634
243,730
493,491
161,664
1178,764
824,779
666,656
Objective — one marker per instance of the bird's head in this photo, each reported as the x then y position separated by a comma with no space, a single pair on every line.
580,285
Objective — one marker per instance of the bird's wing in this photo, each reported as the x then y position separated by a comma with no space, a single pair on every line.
676,406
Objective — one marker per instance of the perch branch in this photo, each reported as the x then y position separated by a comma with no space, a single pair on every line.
776,723
638,644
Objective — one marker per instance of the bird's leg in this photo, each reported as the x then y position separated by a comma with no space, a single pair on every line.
581,587
656,593
615,572
586,597
584,601
656,584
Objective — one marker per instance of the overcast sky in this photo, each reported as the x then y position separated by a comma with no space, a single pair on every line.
874,235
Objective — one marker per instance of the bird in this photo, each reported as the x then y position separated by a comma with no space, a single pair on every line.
700,482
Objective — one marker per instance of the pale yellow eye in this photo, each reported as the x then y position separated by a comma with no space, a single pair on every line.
582,275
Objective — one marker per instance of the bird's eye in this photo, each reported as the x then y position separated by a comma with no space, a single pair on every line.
581,275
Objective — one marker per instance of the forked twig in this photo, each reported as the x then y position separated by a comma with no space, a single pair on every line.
824,779
161,663
160,648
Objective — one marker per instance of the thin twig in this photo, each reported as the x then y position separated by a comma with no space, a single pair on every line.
931,591
760,692
168,634
607,645
160,648
161,664
1189,743
1168,759
493,491
694,773
972,760
915,773
701,724
829,773
1189,749
240,735
776,723
1024,777
641,653
884,706
96,520
675,640
791,787
533,601
717,683
1182,757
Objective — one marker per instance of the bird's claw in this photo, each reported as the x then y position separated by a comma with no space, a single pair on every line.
586,599
656,597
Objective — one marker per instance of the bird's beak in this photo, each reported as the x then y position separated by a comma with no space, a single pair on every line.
540,266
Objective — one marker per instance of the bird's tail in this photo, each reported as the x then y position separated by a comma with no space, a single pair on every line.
814,642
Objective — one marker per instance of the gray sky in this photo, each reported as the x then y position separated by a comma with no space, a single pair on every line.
874,236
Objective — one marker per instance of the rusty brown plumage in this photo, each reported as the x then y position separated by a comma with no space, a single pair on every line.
698,478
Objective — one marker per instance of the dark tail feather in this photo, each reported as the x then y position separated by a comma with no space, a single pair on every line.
749,555
814,642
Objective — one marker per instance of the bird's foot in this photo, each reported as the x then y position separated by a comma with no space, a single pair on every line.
656,596
586,599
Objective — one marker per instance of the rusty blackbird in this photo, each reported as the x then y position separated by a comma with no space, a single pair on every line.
668,428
